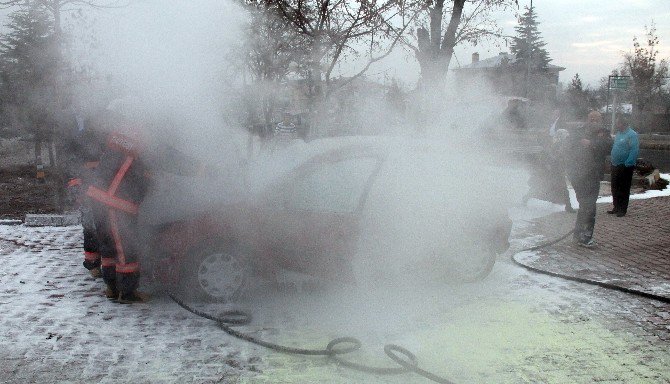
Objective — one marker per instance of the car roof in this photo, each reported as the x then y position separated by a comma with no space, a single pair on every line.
273,166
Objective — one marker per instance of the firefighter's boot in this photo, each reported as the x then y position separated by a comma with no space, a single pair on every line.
111,292
134,297
95,272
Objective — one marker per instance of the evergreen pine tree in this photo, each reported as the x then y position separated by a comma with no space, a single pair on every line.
577,98
528,46
30,65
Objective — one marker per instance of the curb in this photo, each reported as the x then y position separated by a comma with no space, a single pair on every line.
635,292
10,222
50,220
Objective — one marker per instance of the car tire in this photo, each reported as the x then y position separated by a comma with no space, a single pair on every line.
215,271
482,267
471,263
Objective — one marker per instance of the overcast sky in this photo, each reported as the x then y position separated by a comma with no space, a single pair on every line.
587,37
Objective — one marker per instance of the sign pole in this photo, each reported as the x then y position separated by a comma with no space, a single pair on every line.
615,106
616,83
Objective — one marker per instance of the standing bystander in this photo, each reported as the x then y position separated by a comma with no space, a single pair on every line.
80,151
547,173
624,156
588,150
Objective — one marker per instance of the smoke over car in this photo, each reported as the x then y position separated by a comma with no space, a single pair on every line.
411,204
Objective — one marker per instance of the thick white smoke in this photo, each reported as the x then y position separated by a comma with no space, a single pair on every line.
173,57
437,188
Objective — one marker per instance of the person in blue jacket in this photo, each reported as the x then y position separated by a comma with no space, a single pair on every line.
624,156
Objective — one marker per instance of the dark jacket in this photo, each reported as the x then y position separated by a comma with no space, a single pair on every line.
588,162
81,143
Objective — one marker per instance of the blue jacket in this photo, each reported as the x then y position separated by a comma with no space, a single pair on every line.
626,148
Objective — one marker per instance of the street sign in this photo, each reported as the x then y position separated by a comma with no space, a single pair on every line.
619,82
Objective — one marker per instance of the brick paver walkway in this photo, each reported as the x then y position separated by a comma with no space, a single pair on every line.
632,251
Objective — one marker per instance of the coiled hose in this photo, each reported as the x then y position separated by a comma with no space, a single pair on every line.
334,349
343,345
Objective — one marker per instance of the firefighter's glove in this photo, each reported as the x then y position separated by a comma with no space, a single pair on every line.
72,183
73,194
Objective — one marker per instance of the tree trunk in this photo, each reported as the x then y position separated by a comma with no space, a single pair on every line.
315,90
52,157
39,166
435,50
433,75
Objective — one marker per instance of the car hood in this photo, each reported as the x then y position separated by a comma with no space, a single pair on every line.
172,198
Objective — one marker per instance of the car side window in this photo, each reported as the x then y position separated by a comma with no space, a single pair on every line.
336,186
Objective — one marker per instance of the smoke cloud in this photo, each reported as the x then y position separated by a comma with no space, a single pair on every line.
172,58
434,206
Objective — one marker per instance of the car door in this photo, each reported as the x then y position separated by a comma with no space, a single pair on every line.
316,218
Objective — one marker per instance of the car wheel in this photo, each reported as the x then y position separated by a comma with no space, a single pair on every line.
216,271
471,262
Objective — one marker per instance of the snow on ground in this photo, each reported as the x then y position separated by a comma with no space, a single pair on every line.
540,207
645,195
57,326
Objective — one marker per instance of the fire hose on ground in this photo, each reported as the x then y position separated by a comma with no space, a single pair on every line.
334,348
344,345
631,291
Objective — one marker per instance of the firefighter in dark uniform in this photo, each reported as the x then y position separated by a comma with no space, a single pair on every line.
81,150
121,183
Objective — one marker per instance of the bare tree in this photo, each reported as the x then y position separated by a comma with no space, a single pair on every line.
466,21
337,29
44,114
57,7
649,75
270,50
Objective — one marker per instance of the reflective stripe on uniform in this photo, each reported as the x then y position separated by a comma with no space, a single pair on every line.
123,143
111,201
108,262
91,256
113,221
127,268
73,182
120,174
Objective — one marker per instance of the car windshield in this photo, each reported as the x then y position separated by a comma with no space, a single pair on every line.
336,186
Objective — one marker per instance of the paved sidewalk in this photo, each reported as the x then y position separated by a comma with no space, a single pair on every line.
632,252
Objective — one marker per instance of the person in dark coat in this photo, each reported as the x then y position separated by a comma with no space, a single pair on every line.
589,146
547,172
557,165
81,148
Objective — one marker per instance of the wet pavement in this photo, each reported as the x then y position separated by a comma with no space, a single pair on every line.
632,252
516,326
